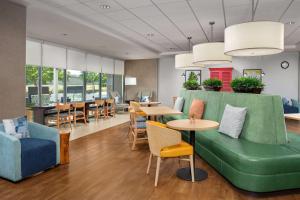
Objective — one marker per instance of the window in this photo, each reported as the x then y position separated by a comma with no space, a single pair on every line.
32,82
106,85
52,85
75,80
92,85
118,84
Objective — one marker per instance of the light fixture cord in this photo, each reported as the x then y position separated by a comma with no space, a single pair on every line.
189,43
211,31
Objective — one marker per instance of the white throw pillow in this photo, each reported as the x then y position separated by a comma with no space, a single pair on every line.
233,121
178,104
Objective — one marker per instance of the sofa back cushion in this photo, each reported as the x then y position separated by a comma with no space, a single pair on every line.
264,122
197,109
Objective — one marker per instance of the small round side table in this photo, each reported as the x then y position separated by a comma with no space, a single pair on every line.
192,126
64,146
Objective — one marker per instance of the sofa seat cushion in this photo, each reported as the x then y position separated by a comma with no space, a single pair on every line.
250,157
37,155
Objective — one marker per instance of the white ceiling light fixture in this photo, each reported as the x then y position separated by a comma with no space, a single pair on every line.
185,60
210,53
254,38
105,6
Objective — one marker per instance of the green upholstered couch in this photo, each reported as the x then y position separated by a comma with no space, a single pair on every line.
265,158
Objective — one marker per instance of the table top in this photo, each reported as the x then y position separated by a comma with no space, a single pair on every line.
294,116
150,103
195,125
159,110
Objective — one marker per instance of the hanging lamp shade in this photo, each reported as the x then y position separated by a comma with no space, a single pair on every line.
210,53
185,61
254,39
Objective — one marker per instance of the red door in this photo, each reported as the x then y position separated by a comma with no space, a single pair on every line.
224,74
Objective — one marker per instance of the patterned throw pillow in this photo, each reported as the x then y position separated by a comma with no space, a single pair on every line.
16,127
145,99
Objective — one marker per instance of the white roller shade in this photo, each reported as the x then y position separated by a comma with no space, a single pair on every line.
54,56
119,67
33,53
76,60
93,63
107,65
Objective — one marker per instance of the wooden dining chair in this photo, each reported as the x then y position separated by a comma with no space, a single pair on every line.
79,112
166,143
110,108
98,109
63,115
137,129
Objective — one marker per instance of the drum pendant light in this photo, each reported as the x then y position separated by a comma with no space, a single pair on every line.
185,60
254,38
210,53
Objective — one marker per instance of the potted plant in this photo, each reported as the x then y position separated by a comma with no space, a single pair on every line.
192,82
212,84
247,85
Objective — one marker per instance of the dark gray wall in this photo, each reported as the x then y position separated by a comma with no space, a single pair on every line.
12,59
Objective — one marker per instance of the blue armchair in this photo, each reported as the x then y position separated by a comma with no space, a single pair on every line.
22,158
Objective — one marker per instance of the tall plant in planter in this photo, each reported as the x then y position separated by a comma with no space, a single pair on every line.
192,82
212,84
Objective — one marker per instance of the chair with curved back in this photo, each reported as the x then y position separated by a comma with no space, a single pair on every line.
63,115
137,128
110,108
79,112
166,143
98,110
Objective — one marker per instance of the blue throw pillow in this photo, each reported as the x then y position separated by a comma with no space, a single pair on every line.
17,127
295,103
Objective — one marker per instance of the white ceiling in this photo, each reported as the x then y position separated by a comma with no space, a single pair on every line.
135,29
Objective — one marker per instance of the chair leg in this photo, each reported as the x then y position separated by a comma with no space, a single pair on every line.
134,140
74,120
157,171
149,163
192,168
84,118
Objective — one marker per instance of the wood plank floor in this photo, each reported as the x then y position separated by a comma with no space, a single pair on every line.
103,167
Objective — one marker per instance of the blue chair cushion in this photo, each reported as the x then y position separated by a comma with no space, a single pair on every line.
141,125
37,155
141,119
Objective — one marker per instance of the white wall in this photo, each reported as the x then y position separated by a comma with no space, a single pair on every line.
169,80
277,80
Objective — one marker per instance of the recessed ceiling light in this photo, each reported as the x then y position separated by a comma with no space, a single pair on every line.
290,23
105,6
150,34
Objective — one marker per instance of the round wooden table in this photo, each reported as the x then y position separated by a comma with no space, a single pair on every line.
192,126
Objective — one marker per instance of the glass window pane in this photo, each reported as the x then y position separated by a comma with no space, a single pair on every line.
118,85
52,85
74,85
106,85
32,79
92,85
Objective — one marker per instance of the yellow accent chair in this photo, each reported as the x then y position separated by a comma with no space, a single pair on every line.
166,143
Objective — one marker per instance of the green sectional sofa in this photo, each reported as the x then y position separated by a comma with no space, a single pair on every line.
265,158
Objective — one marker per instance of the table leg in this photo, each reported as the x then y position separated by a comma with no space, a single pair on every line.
185,173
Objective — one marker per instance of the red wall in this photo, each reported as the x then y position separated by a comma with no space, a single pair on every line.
224,74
